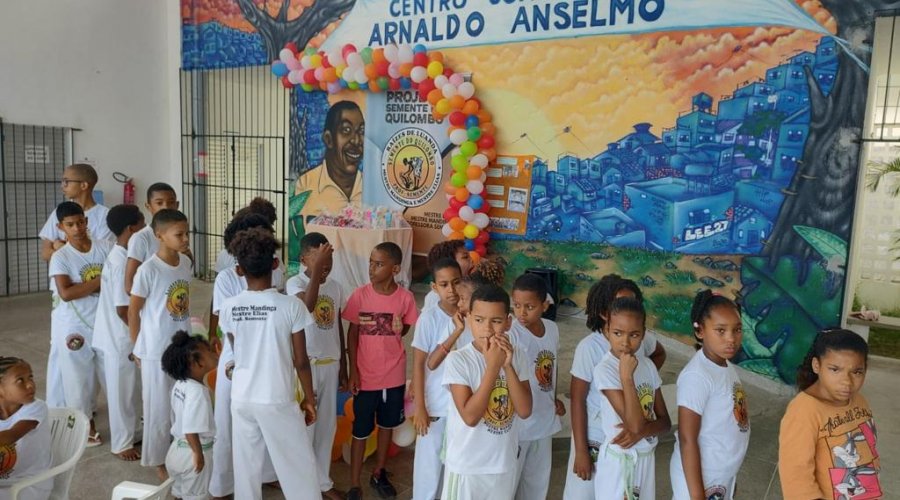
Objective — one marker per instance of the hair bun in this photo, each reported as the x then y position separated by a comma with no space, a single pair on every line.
180,338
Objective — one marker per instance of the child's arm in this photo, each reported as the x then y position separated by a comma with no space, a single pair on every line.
122,313
471,406
583,467
134,317
627,405
519,390
304,373
439,354
659,356
71,291
422,418
797,454
17,431
131,267
48,248
688,440
212,335
352,343
193,441
316,261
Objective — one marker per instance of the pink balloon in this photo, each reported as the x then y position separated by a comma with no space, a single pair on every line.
456,79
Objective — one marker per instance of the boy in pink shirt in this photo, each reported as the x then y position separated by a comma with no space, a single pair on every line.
380,314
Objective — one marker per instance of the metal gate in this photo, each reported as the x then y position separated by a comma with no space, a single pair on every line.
233,147
32,159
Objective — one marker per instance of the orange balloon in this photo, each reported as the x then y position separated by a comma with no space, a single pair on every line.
330,75
488,129
475,259
449,188
348,408
490,153
406,69
438,117
373,86
371,72
484,116
457,224
378,55
436,56
456,235
434,96
462,194
457,102
473,173
471,107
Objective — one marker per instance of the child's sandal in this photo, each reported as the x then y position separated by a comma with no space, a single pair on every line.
94,440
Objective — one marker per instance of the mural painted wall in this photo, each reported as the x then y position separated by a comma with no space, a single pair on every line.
682,148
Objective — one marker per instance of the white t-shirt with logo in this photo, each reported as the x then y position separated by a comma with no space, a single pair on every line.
434,327
491,446
143,244
32,451
193,411
262,323
97,228
167,292
110,332
541,353
716,394
78,315
646,380
323,339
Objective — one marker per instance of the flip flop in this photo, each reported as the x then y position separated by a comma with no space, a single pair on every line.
94,440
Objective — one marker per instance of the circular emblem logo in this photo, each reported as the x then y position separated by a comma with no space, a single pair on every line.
90,272
543,370
593,450
411,167
499,414
229,369
324,312
178,300
716,492
74,342
741,413
8,459
645,396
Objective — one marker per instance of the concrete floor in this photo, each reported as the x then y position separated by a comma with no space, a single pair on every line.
26,332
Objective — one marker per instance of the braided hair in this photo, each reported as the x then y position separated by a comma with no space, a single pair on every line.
7,362
600,295
830,339
183,352
704,302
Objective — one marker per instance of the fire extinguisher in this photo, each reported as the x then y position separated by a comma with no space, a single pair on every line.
128,187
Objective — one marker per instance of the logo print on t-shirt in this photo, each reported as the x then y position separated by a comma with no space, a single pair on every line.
543,370
8,459
741,414
324,312
855,474
178,300
75,342
499,414
383,324
645,396
90,272
716,492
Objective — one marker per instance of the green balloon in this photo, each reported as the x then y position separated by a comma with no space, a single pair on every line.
458,180
306,87
459,162
352,85
383,82
310,51
468,148
474,133
366,55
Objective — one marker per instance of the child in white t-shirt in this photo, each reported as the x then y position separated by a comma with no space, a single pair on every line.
713,424
258,206
489,382
587,431
159,306
24,431
75,269
434,328
324,299
632,397
450,249
144,244
187,360
112,343
266,330
538,339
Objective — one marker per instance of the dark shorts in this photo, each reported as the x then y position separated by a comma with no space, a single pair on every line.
384,406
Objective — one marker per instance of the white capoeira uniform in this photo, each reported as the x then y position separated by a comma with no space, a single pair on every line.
227,285
264,407
192,411
113,347
626,473
166,290
715,393
536,432
481,460
31,453
74,325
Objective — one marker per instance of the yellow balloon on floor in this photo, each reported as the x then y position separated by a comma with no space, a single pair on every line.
371,444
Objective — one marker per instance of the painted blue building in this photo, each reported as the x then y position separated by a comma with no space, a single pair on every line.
585,194
751,228
761,195
611,226
746,100
792,137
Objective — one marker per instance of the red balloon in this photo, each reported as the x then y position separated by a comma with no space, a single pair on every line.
450,213
325,62
448,72
427,84
481,249
309,76
286,83
423,93
486,142
382,67
394,84
482,237
454,203
457,119
291,46
484,208
421,59
347,50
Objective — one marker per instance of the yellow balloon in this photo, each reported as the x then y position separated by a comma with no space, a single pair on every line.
470,231
315,60
435,68
371,445
442,106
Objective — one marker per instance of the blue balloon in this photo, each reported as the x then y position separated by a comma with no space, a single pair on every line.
343,83
475,201
470,244
280,69
364,86
405,83
471,121
419,48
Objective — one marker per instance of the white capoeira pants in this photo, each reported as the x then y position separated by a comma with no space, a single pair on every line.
325,375
222,482
479,486
156,393
56,397
714,484
628,474
577,488
282,429
533,468
123,398
77,369
188,483
428,465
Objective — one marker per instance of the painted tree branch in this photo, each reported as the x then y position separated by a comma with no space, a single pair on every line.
277,31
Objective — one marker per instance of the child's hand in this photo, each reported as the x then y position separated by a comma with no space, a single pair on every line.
316,256
494,354
198,462
625,438
342,378
459,321
560,407
57,244
583,467
136,360
506,345
627,365
354,382
422,420
308,406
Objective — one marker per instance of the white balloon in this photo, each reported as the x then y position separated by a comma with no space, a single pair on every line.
449,90
295,77
446,230
360,75
390,53
458,136
466,213
481,220
418,74
405,435
293,64
475,187
440,81
483,177
306,62
394,71
466,89
454,152
479,160
405,54
354,60
286,55
335,58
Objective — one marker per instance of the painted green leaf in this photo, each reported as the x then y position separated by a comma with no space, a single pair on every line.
763,367
298,201
830,246
751,345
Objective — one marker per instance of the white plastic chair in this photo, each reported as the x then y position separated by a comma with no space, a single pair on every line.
68,438
141,491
